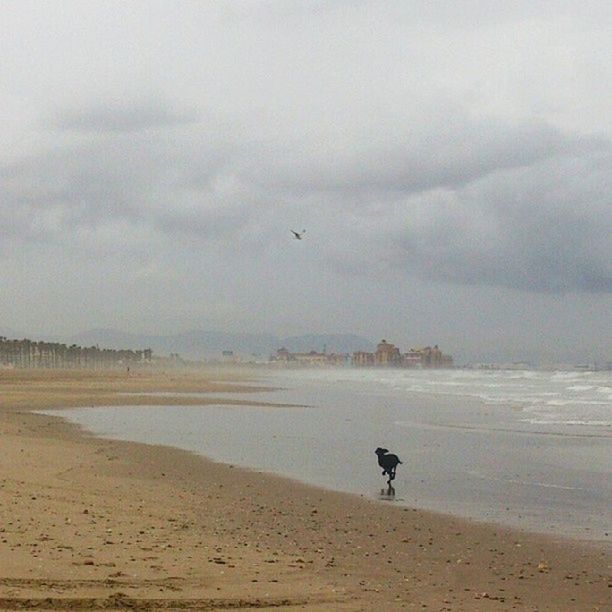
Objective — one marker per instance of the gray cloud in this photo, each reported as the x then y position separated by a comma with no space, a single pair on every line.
122,117
433,153
544,227
523,206
450,161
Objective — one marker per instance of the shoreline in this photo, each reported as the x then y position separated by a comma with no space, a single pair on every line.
575,537
585,535
284,543
520,493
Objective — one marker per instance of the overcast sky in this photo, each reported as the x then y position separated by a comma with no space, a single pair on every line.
450,161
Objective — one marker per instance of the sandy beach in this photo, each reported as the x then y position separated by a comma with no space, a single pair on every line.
87,523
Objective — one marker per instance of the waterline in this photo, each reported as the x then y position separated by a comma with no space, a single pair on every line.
460,455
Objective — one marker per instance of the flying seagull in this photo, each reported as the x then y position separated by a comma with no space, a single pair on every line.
298,236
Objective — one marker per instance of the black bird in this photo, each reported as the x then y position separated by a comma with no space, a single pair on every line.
298,235
388,462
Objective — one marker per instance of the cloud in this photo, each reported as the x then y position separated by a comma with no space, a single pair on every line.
445,197
541,228
442,149
474,203
122,117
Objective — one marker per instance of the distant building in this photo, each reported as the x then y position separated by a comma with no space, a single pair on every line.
363,359
412,359
387,354
283,355
313,358
427,357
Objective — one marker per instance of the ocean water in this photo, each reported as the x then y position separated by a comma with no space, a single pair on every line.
527,449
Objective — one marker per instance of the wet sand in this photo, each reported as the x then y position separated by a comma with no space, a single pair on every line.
88,523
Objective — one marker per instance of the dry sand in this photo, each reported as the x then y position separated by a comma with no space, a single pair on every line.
95,524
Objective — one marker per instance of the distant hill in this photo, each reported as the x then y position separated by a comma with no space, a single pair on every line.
330,343
198,344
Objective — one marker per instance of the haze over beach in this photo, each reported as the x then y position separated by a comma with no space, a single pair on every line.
305,305
450,161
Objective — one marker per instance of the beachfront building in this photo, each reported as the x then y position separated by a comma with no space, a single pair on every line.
310,359
387,354
412,359
426,357
282,355
363,359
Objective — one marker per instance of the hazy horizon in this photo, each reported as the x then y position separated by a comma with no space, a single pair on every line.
209,344
451,163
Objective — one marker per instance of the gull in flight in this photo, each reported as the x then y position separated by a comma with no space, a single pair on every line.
298,235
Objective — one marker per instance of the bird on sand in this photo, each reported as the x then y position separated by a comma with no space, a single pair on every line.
298,235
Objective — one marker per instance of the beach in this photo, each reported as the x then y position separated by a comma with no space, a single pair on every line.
525,449
95,523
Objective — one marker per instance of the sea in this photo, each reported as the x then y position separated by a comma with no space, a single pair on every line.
521,448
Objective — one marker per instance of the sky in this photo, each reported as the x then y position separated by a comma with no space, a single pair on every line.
450,161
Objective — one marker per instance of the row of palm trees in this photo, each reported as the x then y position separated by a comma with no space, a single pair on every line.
31,354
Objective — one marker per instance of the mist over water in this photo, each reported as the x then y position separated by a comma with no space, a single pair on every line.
547,398
522,448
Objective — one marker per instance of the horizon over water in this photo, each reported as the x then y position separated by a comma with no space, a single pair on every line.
528,449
